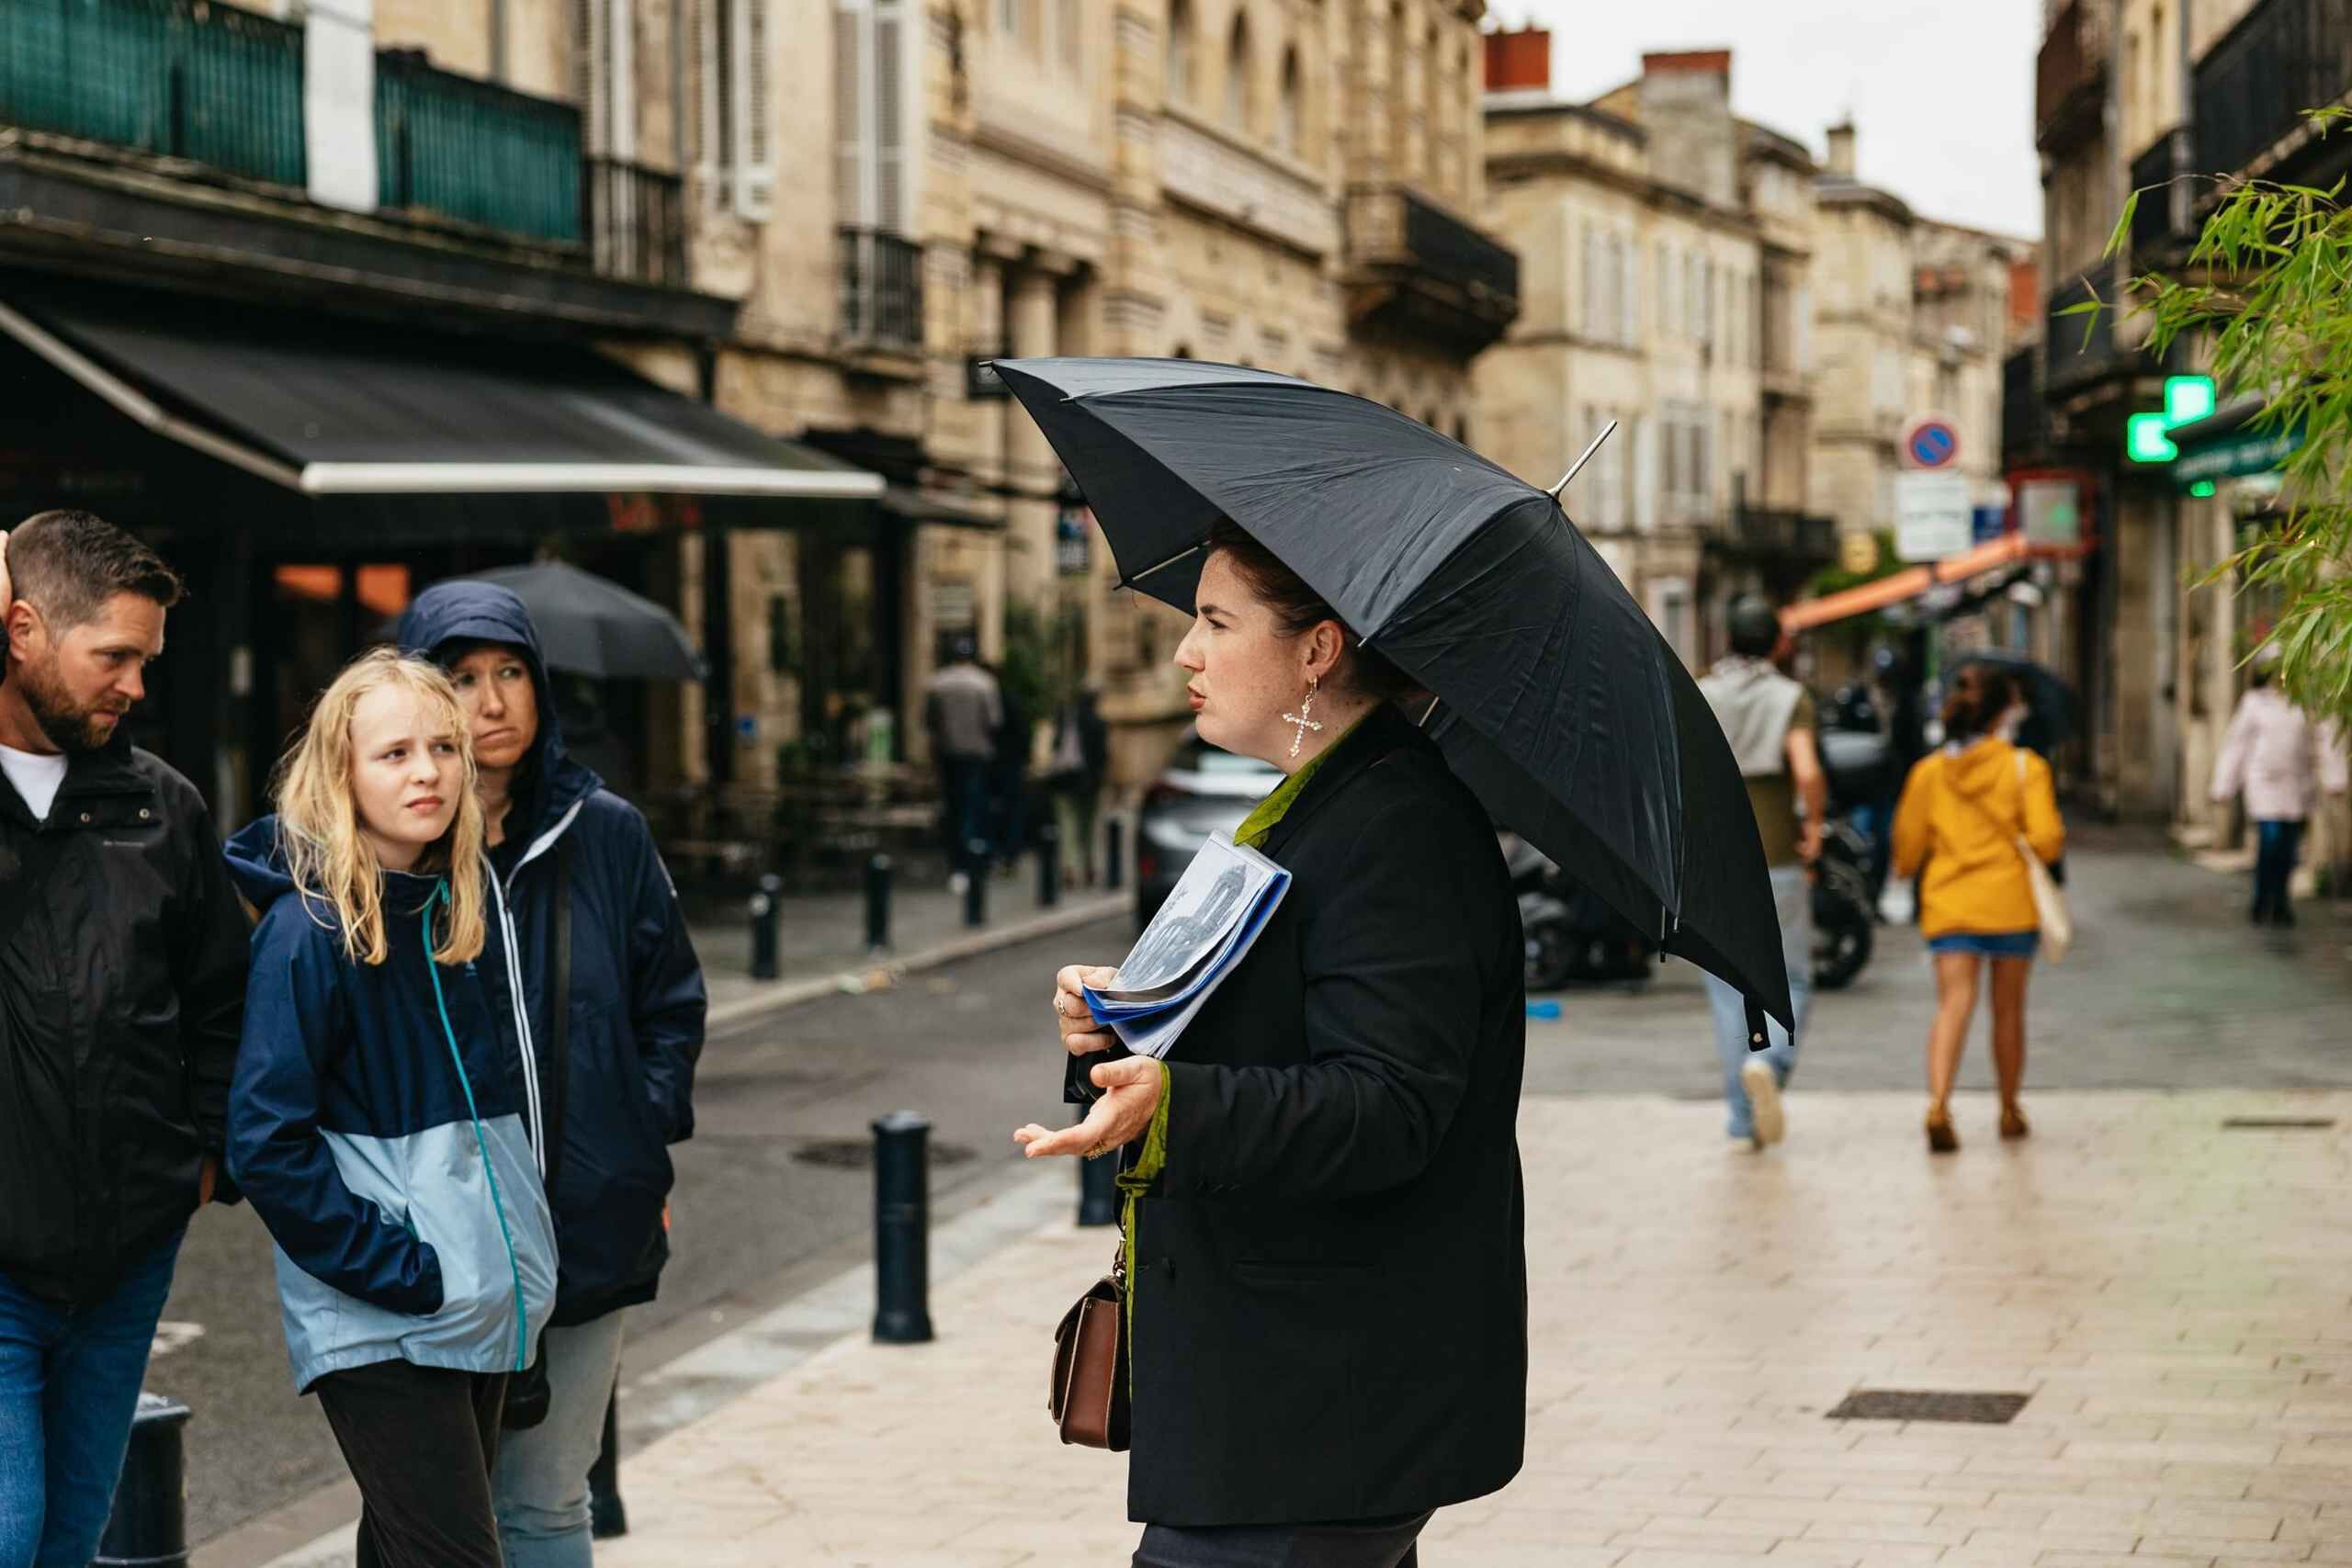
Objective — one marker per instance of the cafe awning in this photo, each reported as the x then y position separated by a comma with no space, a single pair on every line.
1991,555
334,409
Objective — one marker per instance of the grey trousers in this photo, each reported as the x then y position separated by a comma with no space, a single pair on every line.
1366,1544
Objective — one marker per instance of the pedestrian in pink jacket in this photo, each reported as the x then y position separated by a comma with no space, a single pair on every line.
2274,753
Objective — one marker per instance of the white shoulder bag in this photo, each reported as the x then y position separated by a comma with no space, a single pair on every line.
2049,899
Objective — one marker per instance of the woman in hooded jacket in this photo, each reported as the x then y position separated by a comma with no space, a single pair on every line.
610,1001
1963,811
376,1120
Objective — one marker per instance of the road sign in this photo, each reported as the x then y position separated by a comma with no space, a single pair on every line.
1933,517
1930,443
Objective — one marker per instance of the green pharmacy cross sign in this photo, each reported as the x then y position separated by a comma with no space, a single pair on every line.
2147,438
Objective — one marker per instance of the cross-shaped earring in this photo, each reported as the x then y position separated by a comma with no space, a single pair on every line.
1300,718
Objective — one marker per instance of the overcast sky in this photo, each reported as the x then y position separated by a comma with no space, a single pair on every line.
1942,94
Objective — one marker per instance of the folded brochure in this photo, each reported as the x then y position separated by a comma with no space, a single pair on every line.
1216,910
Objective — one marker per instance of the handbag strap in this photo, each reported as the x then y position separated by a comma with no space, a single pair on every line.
559,1000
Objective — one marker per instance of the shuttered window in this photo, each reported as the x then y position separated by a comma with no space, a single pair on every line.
871,74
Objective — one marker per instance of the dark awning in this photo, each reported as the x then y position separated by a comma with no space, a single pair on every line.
913,505
330,408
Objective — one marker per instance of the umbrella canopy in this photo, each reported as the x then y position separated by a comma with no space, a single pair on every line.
1558,704
2051,709
594,628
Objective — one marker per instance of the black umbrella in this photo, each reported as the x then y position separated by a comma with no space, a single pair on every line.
594,628
1558,702
2051,708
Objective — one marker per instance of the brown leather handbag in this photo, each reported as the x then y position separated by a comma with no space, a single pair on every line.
1089,1396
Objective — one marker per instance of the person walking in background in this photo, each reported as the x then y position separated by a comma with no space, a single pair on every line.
1770,723
1956,828
2275,755
1081,757
614,1000
381,1120
122,980
963,711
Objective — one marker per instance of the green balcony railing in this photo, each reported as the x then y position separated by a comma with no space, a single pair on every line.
190,79
471,150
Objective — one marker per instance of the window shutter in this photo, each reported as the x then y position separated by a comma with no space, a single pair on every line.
751,151
589,71
617,28
705,78
893,204
1620,271
852,193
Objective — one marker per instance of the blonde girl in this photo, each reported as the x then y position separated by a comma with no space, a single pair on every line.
381,1118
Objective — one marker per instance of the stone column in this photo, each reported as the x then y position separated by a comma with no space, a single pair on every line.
1034,473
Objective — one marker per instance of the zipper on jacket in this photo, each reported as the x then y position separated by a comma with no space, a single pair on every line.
481,1143
517,1000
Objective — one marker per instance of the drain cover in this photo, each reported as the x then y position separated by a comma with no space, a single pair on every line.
1929,1405
857,1154
2277,1123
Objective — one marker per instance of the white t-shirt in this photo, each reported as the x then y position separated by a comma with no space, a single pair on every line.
35,775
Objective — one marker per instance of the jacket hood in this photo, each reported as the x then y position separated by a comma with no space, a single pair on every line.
447,617
1981,767
257,866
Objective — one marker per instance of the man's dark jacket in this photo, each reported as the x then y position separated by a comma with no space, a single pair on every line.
1330,1277
637,1001
123,989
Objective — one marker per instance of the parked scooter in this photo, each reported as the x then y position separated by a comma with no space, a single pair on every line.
1571,935
1855,756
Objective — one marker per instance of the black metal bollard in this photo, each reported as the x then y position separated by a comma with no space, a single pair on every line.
1114,862
877,903
1049,867
901,1229
767,911
976,886
607,1519
1098,1190
149,1526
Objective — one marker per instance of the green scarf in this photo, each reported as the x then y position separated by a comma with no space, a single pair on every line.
1261,821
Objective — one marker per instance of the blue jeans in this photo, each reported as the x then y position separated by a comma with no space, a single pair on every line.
69,1385
2277,843
1792,903
540,1485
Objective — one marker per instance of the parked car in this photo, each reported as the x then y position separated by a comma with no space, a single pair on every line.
1202,790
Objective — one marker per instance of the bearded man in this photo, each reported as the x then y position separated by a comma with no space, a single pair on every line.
122,980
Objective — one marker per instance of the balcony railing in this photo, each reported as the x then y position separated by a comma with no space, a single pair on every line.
2073,360
2068,70
2025,417
183,78
881,278
1773,533
474,151
1412,261
2161,217
638,222
2282,57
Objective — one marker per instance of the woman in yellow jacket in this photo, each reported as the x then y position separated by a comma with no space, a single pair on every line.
1963,810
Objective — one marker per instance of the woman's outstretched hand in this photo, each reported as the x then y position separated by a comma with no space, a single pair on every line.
1130,1088
1079,1035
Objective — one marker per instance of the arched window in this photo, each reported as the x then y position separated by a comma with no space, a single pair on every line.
1181,87
1286,111
1237,105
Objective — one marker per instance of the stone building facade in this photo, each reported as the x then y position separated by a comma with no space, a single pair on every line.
1668,249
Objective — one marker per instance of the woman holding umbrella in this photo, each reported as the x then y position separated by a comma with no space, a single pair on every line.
1327,1269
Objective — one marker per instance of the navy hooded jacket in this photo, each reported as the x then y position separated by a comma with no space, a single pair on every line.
377,1122
637,1001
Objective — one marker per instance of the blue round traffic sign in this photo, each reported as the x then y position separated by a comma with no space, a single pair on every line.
1931,443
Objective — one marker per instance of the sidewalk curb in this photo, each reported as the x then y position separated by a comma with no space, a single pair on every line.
882,975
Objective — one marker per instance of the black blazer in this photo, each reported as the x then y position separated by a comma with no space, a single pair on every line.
1330,1278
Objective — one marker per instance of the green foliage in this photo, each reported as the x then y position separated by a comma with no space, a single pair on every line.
1044,656
2266,291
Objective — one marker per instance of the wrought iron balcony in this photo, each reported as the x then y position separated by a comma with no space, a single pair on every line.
2251,89
181,78
881,282
475,152
637,222
1414,267
2160,223
1772,534
2069,75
